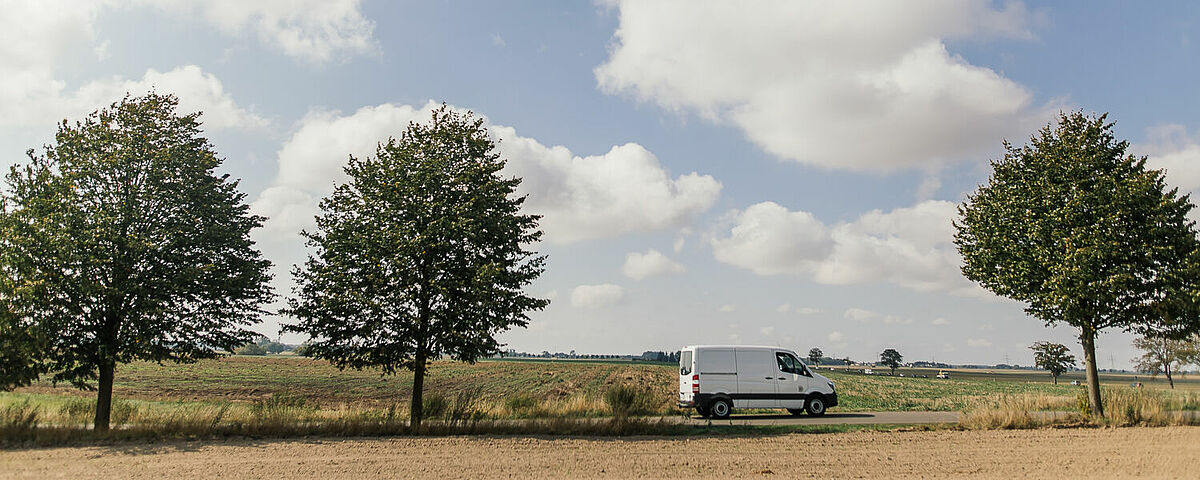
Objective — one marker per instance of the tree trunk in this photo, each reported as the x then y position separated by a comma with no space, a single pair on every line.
1169,379
104,396
1088,338
1055,377
416,411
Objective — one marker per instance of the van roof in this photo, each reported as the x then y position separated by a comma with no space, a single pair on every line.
740,347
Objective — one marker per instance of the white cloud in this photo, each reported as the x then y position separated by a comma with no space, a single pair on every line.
911,247
726,308
767,331
1177,153
37,37
978,343
650,264
831,84
860,314
315,31
30,105
624,190
808,310
940,321
783,308
596,296
836,336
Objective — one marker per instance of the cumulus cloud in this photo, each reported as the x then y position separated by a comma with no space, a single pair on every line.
836,337
940,321
978,343
596,296
809,81
315,31
1177,153
911,247
788,308
36,37
624,190
783,308
650,264
864,315
726,308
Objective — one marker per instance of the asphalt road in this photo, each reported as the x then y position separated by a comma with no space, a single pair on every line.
834,418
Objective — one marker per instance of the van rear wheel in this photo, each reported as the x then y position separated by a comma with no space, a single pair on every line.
815,406
703,412
720,408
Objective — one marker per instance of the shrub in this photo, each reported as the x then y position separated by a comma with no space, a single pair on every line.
434,405
625,400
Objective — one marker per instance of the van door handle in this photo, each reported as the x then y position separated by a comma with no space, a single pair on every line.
770,378
780,378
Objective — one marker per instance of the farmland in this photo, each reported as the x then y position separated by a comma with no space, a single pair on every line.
575,386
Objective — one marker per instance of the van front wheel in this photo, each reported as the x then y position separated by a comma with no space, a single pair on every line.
719,408
815,406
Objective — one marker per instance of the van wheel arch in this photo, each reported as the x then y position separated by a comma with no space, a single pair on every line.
720,406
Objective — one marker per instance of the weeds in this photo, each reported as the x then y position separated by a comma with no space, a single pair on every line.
1122,407
624,400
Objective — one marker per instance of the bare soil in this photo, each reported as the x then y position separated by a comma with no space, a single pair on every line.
1168,452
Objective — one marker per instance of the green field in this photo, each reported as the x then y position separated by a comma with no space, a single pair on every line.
245,379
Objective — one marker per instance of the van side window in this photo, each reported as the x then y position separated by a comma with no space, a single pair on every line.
685,363
789,364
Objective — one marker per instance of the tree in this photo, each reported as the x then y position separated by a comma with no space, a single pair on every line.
421,254
1083,234
120,243
814,356
1163,355
891,358
847,361
1052,357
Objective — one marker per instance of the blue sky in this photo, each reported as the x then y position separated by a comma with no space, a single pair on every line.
768,173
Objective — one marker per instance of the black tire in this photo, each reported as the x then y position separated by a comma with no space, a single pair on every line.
815,406
703,412
795,411
720,408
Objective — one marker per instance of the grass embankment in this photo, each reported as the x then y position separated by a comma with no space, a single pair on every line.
288,396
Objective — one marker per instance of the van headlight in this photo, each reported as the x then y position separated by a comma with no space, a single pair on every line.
831,386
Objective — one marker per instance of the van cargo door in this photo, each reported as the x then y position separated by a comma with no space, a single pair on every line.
756,379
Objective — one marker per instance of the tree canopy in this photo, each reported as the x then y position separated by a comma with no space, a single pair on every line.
814,356
121,243
891,358
1055,358
1165,355
1084,234
421,254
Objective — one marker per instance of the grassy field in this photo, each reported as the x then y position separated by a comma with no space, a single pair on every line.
243,379
289,396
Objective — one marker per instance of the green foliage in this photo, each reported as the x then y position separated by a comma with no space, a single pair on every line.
1052,357
625,400
250,349
891,358
435,405
1165,355
420,255
120,243
1084,234
814,356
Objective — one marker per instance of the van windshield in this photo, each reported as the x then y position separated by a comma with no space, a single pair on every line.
685,362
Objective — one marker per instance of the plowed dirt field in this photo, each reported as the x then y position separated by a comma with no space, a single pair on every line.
1170,452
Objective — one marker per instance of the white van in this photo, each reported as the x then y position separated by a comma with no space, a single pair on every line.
714,379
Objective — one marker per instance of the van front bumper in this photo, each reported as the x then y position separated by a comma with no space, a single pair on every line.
831,400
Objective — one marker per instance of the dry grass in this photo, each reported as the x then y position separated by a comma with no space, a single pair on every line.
1122,407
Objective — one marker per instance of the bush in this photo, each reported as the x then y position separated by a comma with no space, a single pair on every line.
625,400
251,349
521,402
434,405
